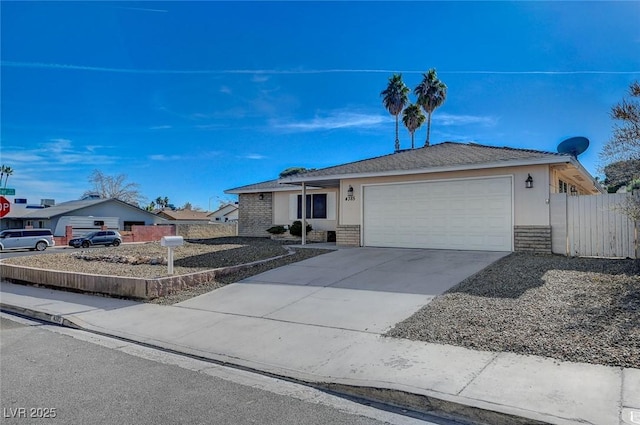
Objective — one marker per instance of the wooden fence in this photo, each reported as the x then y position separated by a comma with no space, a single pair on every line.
593,226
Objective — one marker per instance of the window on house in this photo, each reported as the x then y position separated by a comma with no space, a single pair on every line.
127,225
316,206
562,186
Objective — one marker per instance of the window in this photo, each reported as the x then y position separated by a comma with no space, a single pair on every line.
562,186
127,225
316,206
98,223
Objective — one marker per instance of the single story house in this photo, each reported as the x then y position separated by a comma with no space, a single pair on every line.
444,196
225,214
83,215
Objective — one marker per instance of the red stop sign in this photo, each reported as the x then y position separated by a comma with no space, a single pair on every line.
5,206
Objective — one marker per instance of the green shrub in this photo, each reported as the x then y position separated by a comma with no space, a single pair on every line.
296,228
276,230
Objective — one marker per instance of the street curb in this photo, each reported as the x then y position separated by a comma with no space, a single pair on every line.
420,403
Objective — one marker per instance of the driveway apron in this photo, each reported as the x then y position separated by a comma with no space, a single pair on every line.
360,289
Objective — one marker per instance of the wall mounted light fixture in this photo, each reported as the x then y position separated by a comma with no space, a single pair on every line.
261,196
529,182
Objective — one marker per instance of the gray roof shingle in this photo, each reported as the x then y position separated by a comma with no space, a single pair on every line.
447,154
440,156
267,186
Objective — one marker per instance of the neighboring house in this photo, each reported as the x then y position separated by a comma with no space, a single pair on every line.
444,196
83,215
226,213
184,215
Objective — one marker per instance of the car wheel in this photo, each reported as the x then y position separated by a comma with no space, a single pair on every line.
41,246
85,244
116,242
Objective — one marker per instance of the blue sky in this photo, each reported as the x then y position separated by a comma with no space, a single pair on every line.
191,98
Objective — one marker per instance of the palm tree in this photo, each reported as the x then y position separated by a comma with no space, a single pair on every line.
431,94
413,118
394,97
159,202
2,168
7,172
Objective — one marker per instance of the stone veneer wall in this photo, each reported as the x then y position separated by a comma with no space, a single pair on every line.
532,239
206,231
255,215
348,235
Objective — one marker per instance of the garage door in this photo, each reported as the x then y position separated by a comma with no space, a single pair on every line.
457,214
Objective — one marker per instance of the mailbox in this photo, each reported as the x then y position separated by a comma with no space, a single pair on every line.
170,241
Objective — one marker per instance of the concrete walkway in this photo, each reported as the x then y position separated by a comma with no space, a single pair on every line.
322,325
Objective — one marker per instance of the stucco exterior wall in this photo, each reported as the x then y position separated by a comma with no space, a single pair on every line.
282,213
531,206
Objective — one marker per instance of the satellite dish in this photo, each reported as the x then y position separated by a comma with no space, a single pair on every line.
574,146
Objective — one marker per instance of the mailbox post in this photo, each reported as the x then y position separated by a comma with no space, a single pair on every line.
171,242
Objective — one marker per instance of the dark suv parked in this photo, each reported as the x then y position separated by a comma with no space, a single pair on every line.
103,237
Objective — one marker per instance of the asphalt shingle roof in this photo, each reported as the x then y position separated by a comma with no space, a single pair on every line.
447,154
440,156
267,186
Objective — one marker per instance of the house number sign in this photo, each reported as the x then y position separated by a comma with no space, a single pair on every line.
350,196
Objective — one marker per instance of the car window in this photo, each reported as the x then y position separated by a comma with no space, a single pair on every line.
102,233
90,235
14,234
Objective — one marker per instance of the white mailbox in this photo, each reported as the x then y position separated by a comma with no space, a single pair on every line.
172,241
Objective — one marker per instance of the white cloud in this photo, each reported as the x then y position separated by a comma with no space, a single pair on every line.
225,90
160,127
260,78
301,71
254,156
451,119
162,157
332,121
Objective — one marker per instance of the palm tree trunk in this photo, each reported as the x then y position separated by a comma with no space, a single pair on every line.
426,143
397,139
413,134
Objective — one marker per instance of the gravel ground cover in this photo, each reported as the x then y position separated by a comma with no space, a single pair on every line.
148,260
573,309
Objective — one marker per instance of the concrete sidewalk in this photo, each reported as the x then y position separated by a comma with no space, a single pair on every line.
451,378
321,321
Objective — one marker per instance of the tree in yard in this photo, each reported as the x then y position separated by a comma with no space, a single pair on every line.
624,145
114,187
151,206
294,170
413,118
625,142
431,93
5,172
621,173
394,98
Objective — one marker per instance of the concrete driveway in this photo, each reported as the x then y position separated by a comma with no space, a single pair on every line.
361,289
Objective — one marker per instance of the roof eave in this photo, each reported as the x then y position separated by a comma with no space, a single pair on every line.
580,167
239,191
501,164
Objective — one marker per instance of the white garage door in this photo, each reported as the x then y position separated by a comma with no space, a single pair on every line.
457,214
